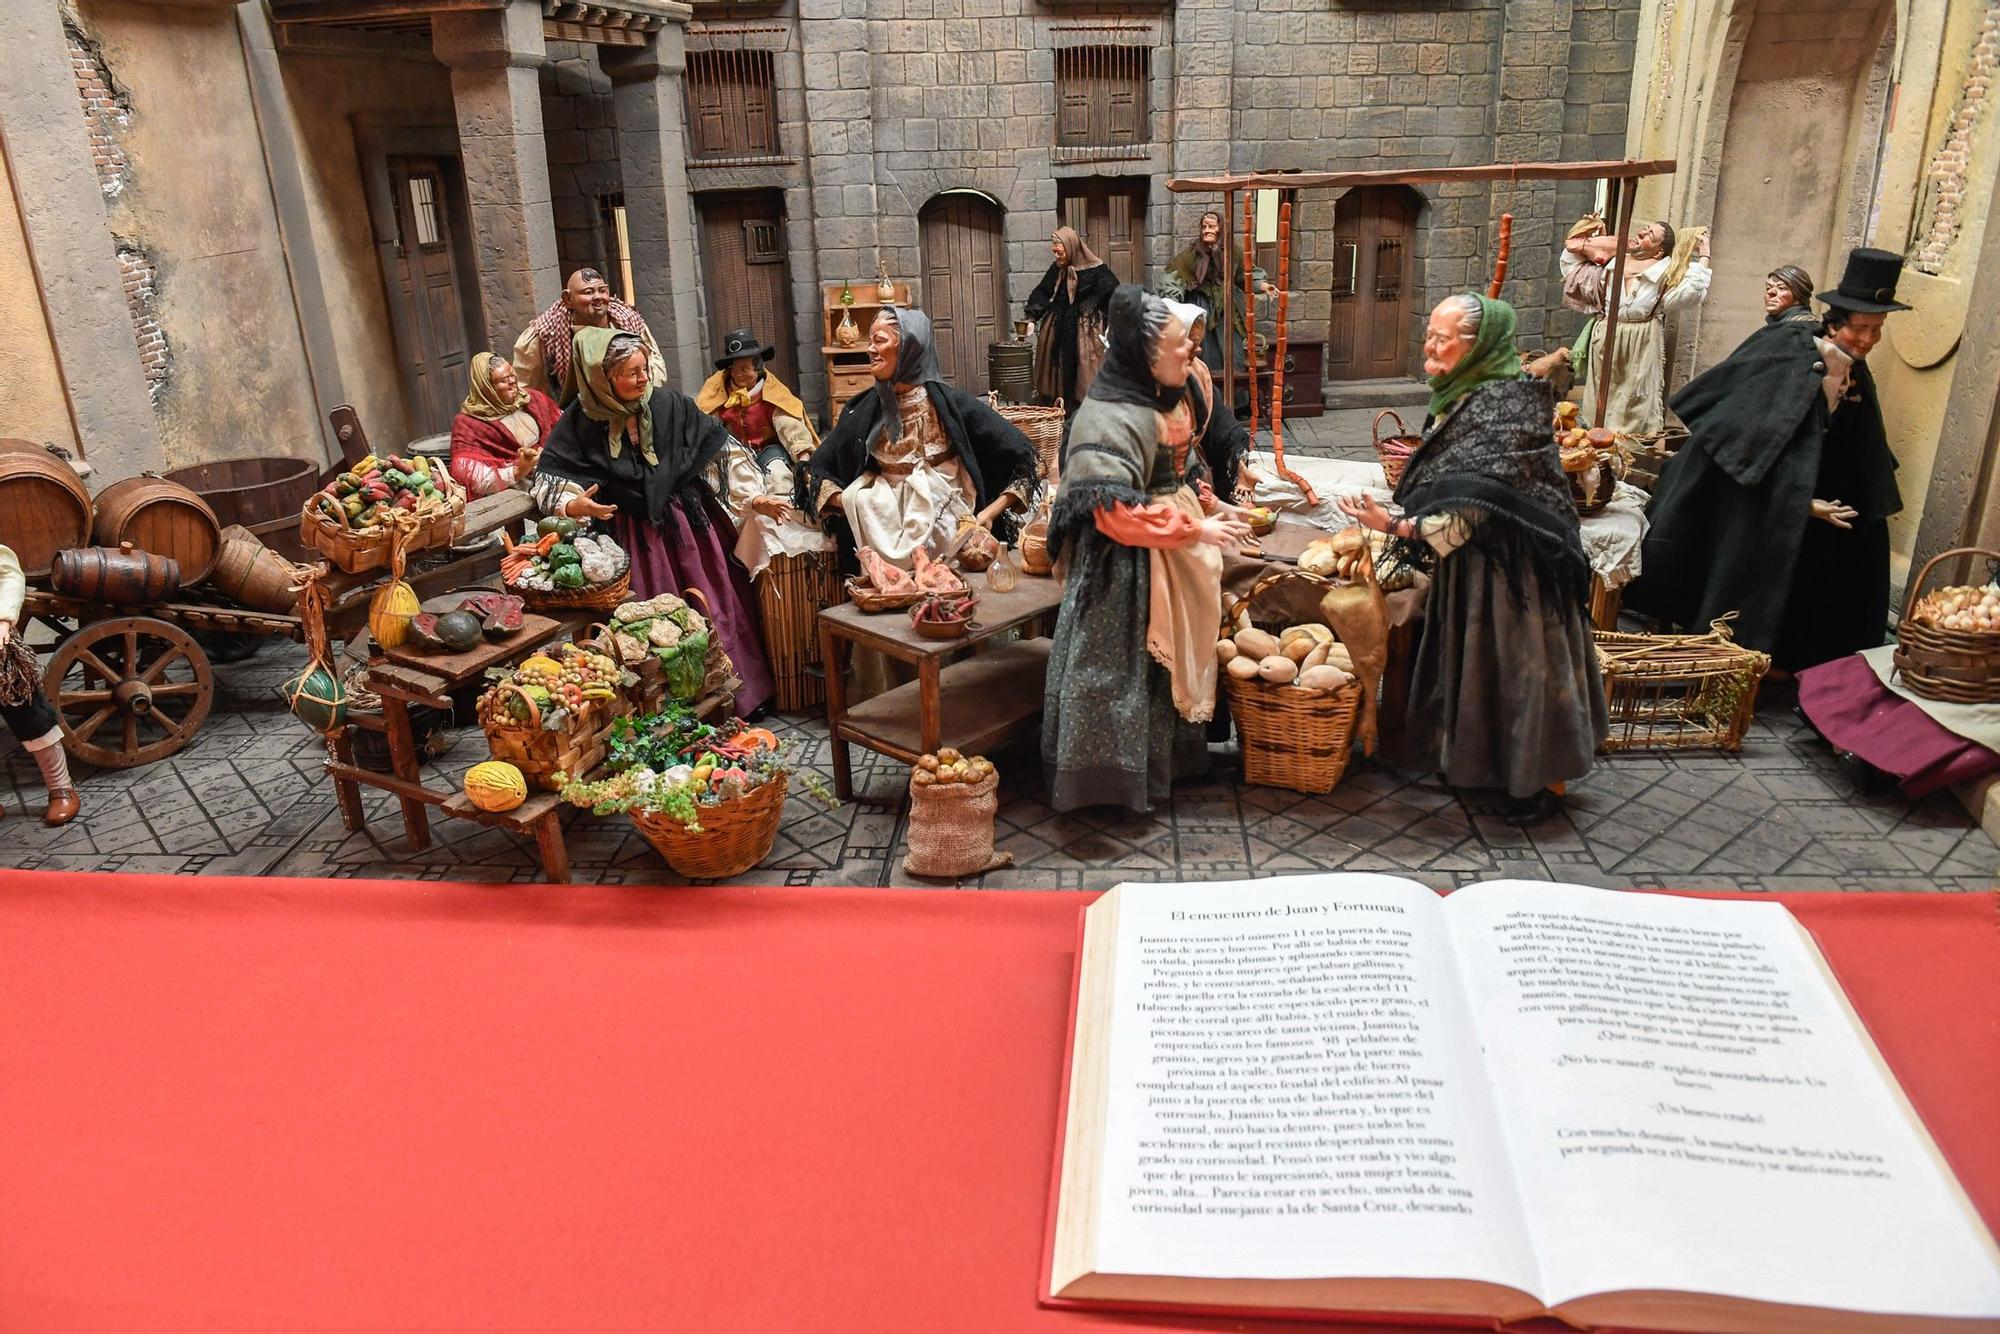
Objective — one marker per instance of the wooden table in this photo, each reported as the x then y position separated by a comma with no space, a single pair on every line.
973,704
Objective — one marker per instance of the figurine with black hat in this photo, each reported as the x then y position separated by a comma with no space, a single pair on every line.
1778,506
771,439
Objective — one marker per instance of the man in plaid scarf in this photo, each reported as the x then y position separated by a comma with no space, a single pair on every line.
541,353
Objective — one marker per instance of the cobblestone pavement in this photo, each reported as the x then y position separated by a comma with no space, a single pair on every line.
248,798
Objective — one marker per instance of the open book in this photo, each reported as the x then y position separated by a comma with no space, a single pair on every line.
1344,1094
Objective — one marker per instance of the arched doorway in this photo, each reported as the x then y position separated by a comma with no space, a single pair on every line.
1368,334
965,281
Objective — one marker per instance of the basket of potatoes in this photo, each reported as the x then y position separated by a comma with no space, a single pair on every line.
1294,697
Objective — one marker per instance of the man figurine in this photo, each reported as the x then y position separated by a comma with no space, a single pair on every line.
541,353
1195,276
1661,279
1777,507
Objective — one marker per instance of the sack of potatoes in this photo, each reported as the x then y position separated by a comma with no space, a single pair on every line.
1306,655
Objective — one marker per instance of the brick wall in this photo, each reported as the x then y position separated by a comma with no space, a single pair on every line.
1945,184
582,134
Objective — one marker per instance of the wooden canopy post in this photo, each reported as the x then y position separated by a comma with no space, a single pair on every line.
1624,194
1228,352
1249,307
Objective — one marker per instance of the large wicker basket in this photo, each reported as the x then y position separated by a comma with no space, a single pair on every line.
1951,666
1679,692
734,835
1042,426
326,529
1393,450
540,753
596,597
1291,737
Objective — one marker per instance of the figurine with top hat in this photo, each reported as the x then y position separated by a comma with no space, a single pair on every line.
1778,505
771,439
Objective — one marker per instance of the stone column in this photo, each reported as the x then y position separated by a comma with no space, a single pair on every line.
659,213
493,56
75,261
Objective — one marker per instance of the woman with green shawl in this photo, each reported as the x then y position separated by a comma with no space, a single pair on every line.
1504,689
636,457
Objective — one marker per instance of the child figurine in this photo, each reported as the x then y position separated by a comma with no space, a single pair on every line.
26,710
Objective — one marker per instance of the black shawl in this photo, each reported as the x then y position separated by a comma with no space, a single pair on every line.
1496,453
992,449
1058,314
685,440
1225,444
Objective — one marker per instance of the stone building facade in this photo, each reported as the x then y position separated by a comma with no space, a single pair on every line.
348,204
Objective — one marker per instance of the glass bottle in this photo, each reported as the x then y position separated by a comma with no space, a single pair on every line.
1002,576
847,294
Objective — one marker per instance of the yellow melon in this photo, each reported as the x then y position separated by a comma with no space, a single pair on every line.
390,611
495,785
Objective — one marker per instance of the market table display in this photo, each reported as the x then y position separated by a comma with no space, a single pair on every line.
250,1104
972,705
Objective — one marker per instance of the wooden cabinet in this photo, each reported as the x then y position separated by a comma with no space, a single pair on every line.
847,366
1305,368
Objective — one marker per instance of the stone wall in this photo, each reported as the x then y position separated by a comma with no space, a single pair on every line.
32,405
582,133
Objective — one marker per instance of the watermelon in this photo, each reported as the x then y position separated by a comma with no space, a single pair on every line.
503,622
484,605
424,630
460,630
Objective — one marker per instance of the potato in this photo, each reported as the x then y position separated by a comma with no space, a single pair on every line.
1278,670
1319,634
1256,643
1225,649
1314,658
1242,668
1297,647
1337,655
1323,678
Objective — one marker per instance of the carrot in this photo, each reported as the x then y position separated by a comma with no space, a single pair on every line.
547,544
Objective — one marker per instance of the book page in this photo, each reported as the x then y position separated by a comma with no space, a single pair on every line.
1294,1090
1690,1105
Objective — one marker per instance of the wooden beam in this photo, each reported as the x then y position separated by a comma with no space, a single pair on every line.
1496,171
362,11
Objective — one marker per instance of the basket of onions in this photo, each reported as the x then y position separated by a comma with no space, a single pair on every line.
1948,642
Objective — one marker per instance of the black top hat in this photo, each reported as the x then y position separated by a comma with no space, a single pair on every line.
1869,285
745,343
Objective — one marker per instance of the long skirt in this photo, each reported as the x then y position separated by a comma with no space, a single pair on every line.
1638,403
1503,693
1110,733
684,557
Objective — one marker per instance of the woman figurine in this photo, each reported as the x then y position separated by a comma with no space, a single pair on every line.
1788,291
25,709
1504,690
770,441
1069,304
1132,672
1196,276
637,456
1224,456
906,463
499,429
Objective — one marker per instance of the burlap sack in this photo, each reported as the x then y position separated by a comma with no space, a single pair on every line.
951,829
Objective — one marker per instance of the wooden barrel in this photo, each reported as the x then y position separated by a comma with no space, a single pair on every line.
120,576
44,505
251,491
162,517
252,575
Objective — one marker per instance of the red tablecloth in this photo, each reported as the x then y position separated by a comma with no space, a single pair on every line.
257,1105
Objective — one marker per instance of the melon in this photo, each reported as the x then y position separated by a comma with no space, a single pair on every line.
460,630
495,785
389,613
318,699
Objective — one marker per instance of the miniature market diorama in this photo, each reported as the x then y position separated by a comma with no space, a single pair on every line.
1122,571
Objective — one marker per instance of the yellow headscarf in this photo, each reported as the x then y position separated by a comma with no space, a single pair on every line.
1685,242
600,403
484,402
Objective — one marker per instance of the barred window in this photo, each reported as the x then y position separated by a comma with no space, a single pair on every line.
731,111
1102,107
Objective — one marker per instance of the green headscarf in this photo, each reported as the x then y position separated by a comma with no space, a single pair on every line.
600,404
1491,357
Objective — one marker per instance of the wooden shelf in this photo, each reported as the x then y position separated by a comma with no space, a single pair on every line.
983,700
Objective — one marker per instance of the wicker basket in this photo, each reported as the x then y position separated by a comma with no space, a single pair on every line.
574,749
1593,483
866,598
1679,692
791,592
1292,737
596,597
1036,559
1952,666
1394,450
326,529
1042,426
734,836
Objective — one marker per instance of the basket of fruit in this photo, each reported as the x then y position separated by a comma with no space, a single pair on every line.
1590,460
953,799
566,568
351,520
1262,520
708,798
551,716
1948,642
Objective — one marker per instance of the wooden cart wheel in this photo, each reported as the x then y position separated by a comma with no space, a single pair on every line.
129,691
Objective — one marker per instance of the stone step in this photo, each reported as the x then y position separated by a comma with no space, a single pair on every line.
1400,392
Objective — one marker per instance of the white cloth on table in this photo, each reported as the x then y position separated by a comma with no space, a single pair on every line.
1977,723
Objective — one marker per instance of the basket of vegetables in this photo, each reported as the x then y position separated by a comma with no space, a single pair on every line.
566,568
551,716
1948,642
709,798
668,643
354,518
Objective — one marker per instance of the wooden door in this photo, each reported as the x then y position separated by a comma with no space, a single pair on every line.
431,316
746,275
1369,336
1109,213
965,283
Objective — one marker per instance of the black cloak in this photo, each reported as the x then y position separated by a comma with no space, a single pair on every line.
685,440
992,449
1730,522
1051,306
